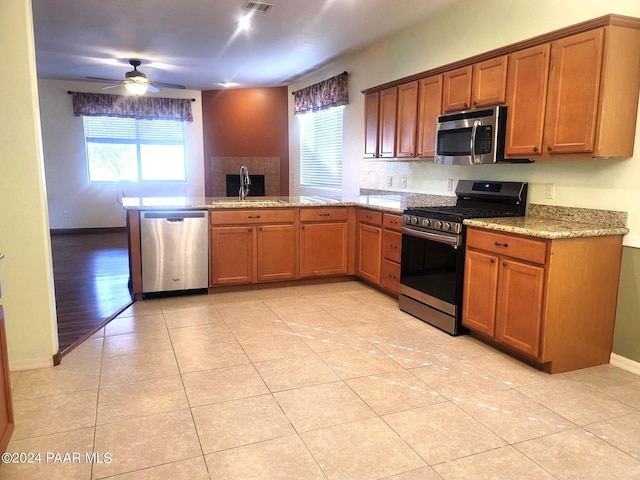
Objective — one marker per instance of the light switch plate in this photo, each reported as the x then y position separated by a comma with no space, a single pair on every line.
404,182
450,185
389,181
550,191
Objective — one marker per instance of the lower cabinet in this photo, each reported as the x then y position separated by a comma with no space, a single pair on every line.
391,253
324,242
248,246
552,302
7,423
369,245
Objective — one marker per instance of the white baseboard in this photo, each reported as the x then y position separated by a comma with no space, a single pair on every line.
624,363
31,364
631,241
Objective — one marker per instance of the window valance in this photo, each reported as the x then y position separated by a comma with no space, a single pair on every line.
142,108
331,92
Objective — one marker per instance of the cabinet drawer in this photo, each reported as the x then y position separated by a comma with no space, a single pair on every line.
390,276
392,222
534,251
391,245
323,214
244,217
370,216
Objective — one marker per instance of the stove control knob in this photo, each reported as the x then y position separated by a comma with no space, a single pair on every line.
426,222
438,225
446,226
414,220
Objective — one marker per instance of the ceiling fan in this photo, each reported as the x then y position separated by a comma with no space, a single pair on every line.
137,82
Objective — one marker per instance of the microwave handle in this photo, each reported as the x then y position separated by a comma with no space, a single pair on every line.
472,144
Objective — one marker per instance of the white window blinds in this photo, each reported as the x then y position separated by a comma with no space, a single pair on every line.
321,148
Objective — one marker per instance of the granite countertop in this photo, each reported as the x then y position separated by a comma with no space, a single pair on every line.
388,203
558,222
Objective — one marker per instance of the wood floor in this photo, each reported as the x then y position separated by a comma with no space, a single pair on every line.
91,276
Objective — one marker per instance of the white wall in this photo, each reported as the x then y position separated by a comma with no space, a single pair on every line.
73,201
26,272
445,38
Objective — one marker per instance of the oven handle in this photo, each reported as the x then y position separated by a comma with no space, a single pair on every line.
454,240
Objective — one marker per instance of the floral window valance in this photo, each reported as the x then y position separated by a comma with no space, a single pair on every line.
144,108
331,92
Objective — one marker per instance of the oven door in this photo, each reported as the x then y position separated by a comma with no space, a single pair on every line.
431,277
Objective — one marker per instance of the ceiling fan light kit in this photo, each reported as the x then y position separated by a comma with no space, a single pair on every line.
136,85
137,82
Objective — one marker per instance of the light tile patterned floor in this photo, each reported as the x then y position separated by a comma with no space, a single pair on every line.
313,382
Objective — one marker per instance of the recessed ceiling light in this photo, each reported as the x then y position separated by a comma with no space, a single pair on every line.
244,23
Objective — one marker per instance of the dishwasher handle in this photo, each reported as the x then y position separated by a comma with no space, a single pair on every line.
174,216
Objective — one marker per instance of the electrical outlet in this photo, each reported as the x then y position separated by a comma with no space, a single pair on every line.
450,185
550,191
65,214
404,182
389,181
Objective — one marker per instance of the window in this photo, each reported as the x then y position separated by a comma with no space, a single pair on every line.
134,150
321,148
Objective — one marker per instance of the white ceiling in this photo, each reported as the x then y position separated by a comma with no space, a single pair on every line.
196,43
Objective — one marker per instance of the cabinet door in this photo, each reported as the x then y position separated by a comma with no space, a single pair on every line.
323,249
7,423
490,82
390,276
457,89
407,120
369,252
527,100
231,255
371,106
574,86
387,137
429,107
276,253
480,292
520,306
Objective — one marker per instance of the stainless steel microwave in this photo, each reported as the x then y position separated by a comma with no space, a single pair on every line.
471,137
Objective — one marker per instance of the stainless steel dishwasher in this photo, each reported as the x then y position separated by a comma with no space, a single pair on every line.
175,250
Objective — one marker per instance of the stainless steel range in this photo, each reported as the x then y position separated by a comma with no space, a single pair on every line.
432,265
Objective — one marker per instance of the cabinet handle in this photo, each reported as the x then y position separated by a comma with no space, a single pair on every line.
549,149
466,106
535,149
493,260
250,229
253,216
369,217
498,244
302,227
393,222
393,246
324,215
260,229
475,103
391,275
504,264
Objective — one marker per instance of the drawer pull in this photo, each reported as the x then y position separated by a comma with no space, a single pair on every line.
370,217
498,244
393,222
391,275
249,229
493,260
393,246
324,215
504,264
253,216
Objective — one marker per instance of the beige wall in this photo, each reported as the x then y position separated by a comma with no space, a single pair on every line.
26,273
445,38
73,201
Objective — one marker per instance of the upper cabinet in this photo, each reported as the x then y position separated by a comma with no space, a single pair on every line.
474,86
576,96
569,93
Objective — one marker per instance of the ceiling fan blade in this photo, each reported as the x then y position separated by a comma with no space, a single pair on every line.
111,86
169,85
103,79
152,88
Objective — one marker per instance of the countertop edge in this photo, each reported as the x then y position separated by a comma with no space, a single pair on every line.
569,230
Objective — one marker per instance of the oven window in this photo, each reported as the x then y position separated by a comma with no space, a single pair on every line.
431,267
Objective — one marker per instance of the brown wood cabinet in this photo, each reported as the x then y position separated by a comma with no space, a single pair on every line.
369,245
429,107
474,86
391,253
407,120
325,242
371,124
457,89
576,96
551,302
527,100
387,126
249,246
7,423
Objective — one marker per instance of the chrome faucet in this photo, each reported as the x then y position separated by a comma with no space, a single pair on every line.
245,182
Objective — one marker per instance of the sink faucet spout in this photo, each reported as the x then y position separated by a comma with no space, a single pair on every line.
245,182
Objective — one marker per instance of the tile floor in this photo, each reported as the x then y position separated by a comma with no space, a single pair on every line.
313,382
